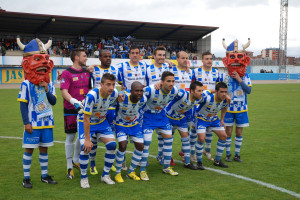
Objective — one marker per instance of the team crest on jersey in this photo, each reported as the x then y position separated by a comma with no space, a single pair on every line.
147,131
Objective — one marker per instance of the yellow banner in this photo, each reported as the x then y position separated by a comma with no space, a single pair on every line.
12,76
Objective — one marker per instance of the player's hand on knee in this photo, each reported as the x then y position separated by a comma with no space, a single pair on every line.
28,128
87,146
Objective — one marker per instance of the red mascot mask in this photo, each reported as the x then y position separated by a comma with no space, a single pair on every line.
36,62
236,60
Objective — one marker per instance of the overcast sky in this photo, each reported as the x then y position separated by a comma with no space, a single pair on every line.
236,19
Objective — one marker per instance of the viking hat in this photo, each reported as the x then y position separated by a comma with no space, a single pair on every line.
233,47
35,46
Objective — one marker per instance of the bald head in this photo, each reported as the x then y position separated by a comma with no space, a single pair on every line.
136,85
136,92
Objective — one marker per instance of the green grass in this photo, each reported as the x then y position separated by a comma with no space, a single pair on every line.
270,152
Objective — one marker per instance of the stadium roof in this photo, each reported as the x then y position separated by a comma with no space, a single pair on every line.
29,23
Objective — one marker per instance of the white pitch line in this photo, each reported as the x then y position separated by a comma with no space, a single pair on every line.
268,185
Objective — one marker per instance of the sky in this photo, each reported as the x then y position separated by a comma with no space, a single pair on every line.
258,20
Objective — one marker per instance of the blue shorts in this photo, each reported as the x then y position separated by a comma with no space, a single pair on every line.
189,116
111,113
201,125
39,137
241,119
135,132
158,121
98,130
180,124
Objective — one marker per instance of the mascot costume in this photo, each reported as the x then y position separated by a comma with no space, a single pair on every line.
36,96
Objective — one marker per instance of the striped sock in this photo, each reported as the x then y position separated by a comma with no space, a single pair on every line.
93,152
193,140
186,148
199,150
220,148
228,145
136,158
119,160
44,164
238,144
147,142
27,158
83,161
160,145
167,151
208,139
109,157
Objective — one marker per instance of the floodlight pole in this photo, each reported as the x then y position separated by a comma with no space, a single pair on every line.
283,36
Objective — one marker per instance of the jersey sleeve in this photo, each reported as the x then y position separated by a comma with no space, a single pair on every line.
23,93
120,76
65,80
89,102
52,89
193,75
247,80
147,75
147,91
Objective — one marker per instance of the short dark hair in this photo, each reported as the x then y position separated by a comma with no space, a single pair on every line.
194,84
166,74
178,53
206,53
220,85
103,51
159,48
75,52
108,76
134,47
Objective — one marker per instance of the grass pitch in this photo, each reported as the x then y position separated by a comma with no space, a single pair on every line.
270,152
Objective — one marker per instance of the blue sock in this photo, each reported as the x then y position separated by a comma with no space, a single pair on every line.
160,145
220,148
238,144
93,152
208,140
109,157
193,140
228,145
186,148
27,158
83,161
167,151
44,164
136,158
199,150
147,142
119,160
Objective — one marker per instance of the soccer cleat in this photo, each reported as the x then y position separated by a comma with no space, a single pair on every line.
124,166
228,158
219,163
237,158
182,156
48,179
172,163
200,165
133,176
144,176
170,171
193,158
208,155
84,183
106,179
190,166
27,183
93,170
118,178
113,168
70,174
76,165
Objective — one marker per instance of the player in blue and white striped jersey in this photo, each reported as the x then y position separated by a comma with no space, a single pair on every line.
206,116
238,88
93,122
128,123
105,67
134,70
176,112
209,77
155,118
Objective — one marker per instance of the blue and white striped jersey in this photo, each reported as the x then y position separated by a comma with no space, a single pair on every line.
183,79
127,74
98,73
97,106
209,108
128,113
207,78
153,73
157,99
238,96
40,112
182,103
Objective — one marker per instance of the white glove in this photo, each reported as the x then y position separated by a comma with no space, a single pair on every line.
78,105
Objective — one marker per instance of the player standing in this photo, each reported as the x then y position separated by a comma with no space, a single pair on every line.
74,86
